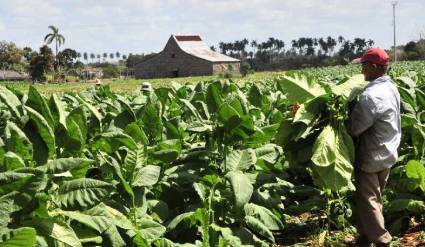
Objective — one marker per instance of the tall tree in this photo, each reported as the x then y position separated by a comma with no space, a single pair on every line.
105,56
10,54
41,63
254,45
331,43
85,57
66,58
323,45
92,56
56,37
117,55
341,39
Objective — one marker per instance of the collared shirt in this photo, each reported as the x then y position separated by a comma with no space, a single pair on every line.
375,121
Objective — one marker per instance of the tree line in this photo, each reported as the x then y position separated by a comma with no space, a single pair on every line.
60,63
274,53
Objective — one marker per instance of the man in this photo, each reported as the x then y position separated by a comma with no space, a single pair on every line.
375,124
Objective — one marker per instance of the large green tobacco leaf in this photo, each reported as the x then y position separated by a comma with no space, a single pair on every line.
192,109
241,186
24,236
17,141
152,122
418,140
110,142
227,234
12,161
420,98
37,102
11,101
125,184
240,160
411,205
333,155
55,232
137,133
134,160
93,110
13,181
146,176
58,111
408,100
214,97
416,172
73,137
98,219
350,87
299,88
44,130
179,218
82,192
269,153
151,229
271,221
76,166
258,227
264,134
229,116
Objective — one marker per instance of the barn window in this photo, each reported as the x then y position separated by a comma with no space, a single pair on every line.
173,55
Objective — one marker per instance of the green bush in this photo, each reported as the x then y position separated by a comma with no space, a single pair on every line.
110,71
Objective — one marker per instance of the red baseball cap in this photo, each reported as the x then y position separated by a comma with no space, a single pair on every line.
376,56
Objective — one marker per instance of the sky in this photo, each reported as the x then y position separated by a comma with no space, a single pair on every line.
143,26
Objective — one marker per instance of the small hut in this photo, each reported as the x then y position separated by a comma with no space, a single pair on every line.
10,75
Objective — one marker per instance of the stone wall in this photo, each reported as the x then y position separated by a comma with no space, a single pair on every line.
226,67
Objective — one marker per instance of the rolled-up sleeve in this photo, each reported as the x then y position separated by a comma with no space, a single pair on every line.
363,115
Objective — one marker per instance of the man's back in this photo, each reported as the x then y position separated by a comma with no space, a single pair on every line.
376,121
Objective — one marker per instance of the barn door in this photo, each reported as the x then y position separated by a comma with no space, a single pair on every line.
175,73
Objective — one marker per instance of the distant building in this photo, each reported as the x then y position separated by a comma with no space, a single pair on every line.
90,73
10,75
186,55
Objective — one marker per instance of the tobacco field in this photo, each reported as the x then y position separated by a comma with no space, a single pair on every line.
216,163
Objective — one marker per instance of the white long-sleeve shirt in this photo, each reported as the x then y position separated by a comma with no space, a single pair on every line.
375,121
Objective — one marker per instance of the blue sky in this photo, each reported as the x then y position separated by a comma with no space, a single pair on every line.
143,26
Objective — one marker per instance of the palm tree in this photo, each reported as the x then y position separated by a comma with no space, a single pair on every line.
54,36
341,39
111,55
117,55
92,56
254,45
105,56
370,43
86,57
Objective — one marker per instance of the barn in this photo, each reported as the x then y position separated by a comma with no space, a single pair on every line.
186,55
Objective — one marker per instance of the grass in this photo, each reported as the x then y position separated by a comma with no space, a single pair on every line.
130,85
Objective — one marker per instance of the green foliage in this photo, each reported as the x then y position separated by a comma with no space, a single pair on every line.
212,164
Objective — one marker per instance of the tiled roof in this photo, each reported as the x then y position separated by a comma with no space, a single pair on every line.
188,38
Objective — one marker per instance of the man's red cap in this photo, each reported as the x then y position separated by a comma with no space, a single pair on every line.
375,55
